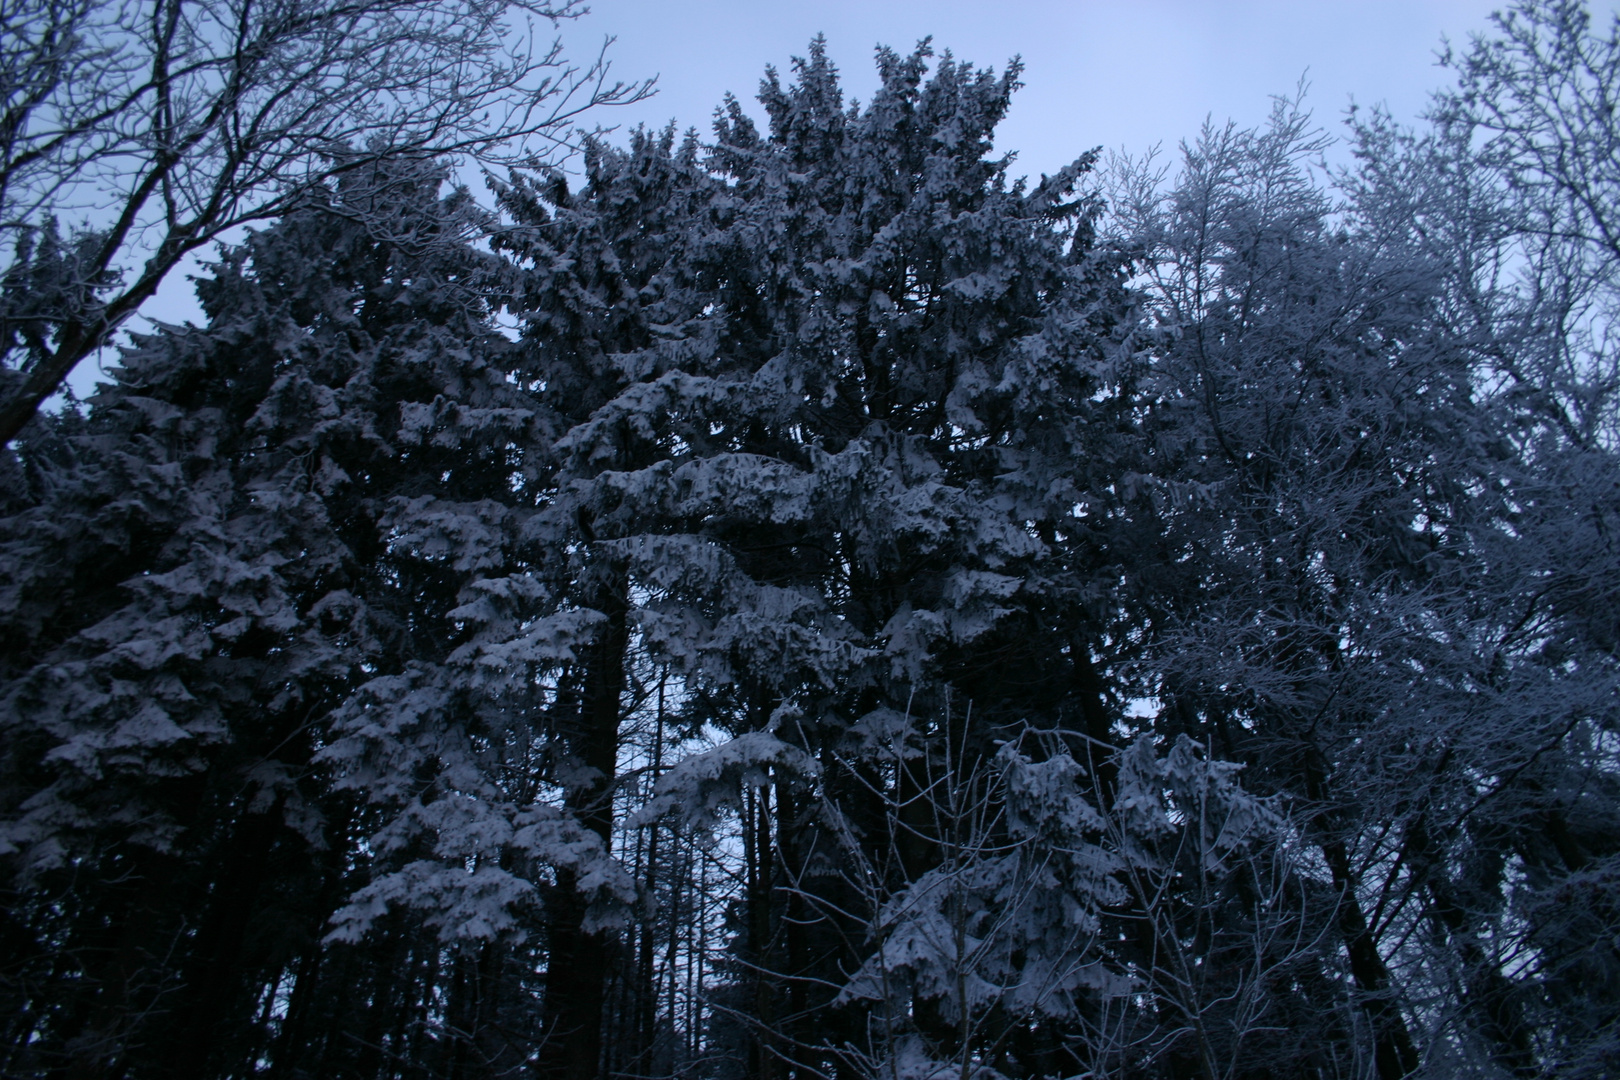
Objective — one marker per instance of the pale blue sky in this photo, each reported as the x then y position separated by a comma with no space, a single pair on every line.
1097,72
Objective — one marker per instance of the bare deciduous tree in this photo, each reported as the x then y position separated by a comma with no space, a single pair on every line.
163,124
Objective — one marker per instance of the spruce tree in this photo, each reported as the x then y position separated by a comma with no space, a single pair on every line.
264,523
835,386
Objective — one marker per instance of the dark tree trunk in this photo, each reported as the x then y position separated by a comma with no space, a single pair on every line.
1490,996
576,973
1394,1052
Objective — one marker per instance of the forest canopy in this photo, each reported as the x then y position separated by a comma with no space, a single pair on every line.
800,601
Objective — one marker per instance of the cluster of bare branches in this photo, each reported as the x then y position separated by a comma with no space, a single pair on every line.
150,129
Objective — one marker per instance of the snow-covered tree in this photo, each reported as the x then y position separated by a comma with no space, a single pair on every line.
1510,194
806,603
260,534
836,387
1399,494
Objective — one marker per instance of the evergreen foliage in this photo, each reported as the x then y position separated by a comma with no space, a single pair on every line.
808,604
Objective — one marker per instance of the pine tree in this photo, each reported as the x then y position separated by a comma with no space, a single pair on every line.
832,384
870,617
267,523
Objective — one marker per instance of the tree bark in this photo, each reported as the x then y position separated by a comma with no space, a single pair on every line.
576,974
1394,1053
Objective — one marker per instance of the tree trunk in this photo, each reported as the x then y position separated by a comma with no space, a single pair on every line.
1394,1052
576,974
